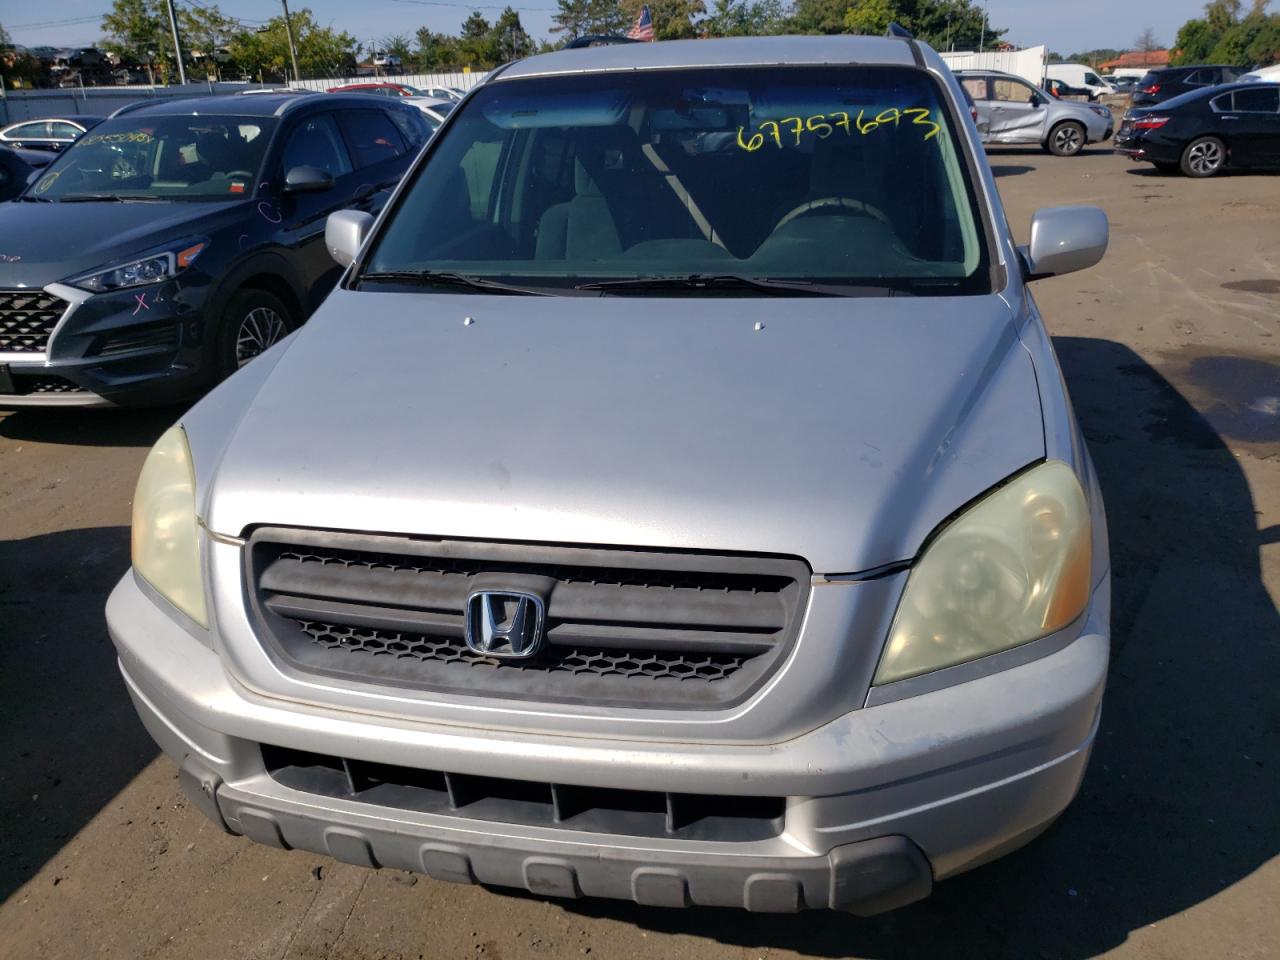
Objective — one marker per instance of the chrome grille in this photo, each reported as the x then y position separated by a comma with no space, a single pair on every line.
27,318
623,627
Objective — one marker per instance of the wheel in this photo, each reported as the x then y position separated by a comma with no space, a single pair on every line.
1066,139
252,321
1204,157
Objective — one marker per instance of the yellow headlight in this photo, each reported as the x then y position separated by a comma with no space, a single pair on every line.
166,551
1013,568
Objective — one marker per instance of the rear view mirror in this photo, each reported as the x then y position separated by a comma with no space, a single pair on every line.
345,233
1065,239
307,180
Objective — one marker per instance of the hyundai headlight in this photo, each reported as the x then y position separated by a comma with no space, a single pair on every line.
166,551
137,273
1012,568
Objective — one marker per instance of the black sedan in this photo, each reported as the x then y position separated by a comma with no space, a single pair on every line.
1201,133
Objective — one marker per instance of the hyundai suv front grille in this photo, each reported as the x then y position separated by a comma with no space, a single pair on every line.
27,319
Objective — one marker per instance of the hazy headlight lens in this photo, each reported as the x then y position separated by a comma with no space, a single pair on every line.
1012,568
166,552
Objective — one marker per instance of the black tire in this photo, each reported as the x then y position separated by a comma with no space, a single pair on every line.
1204,157
1066,139
252,321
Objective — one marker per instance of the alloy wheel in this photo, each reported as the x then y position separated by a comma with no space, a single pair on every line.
261,328
1068,139
1204,158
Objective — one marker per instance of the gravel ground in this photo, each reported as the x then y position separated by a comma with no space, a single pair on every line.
1171,351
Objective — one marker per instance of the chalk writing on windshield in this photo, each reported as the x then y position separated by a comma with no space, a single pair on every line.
137,136
824,125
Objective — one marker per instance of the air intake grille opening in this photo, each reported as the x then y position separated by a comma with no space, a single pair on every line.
622,627
27,318
637,813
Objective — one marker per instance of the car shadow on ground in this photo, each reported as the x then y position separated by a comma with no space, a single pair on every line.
999,170
996,151
100,428
68,733
1179,799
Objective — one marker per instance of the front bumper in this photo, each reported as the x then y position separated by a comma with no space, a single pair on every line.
879,802
139,346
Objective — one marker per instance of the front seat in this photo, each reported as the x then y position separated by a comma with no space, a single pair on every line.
581,228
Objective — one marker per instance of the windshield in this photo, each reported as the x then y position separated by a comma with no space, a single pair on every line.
847,176
170,158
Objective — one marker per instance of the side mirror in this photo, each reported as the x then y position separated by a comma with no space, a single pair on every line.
1064,240
345,233
307,180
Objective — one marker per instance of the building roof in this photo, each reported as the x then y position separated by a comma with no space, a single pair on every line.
1137,58
726,52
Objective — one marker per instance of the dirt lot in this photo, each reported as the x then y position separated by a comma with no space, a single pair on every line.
1171,350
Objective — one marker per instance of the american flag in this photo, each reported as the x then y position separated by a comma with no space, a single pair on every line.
643,30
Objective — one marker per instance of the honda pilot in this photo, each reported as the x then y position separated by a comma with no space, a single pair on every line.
677,500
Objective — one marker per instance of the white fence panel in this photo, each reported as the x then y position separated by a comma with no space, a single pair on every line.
463,81
1028,63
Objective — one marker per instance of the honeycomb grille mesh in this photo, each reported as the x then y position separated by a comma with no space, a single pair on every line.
27,318
619,626
706,667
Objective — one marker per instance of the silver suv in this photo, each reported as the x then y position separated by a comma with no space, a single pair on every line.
566,548
1012,111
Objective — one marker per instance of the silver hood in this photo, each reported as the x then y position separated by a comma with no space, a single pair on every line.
842,432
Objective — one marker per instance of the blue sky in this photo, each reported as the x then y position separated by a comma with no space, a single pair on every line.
1064,26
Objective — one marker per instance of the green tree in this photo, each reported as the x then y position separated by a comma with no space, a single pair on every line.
398,45
510,38
744,18
606,16
1195,40
435,51
571,18
870,16
944,24
672,19
322,52
138,30
476,46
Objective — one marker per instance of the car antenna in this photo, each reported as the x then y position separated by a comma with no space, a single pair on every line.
896,29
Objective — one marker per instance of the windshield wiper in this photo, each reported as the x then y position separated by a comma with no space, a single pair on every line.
108,198
710,281
426,278
31,198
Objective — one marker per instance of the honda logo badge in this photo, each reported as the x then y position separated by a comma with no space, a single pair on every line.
507,624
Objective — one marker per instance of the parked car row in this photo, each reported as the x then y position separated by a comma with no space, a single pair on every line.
199,229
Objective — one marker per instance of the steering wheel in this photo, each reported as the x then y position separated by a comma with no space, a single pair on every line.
238,175
122,168
844,203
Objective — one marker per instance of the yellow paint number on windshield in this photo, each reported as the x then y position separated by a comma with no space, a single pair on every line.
790,131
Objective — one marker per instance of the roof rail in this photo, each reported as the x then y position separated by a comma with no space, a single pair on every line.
129,108
896,29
